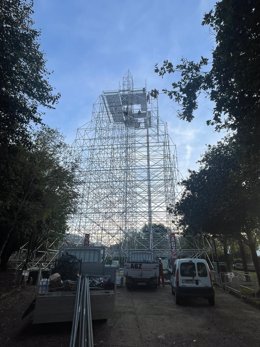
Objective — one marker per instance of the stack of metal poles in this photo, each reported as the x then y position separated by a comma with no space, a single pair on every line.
82,332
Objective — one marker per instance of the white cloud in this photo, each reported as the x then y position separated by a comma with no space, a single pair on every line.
184,135
188,149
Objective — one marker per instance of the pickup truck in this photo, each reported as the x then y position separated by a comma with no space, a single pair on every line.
141,269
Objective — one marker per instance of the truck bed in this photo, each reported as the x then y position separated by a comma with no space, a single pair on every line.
59,306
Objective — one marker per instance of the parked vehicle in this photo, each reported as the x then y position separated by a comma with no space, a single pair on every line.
239,266
56,297
141,268
191,278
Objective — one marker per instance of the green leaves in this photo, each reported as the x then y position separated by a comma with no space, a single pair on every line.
37,192
186,90
212,201
167,67
24,82
223,197
37,187
232,81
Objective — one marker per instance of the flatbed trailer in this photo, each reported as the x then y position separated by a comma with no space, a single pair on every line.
58,305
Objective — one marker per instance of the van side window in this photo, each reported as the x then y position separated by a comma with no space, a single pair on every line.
202,270
188,269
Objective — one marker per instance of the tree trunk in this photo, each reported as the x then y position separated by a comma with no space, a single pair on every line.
4,259
243,257
216,254
252,246
12,228
226,255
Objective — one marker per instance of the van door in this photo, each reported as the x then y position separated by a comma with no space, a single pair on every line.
188,276
203,274
173,279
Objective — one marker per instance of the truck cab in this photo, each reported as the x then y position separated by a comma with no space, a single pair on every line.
141,269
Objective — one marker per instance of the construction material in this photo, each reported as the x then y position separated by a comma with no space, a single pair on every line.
82,332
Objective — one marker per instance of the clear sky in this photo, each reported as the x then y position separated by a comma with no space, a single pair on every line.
91,44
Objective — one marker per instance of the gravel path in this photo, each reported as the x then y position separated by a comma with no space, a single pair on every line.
141,318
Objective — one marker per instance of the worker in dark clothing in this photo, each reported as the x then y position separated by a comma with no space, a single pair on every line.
161,275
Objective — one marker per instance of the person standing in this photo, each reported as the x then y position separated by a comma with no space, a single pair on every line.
161,275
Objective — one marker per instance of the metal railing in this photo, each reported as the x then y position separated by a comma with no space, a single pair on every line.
238,283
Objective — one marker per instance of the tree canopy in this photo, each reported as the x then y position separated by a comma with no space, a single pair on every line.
216,200
231,80
212,199
223,196
40,196
24,82
36,184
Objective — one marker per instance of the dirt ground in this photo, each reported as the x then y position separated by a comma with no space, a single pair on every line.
15,331
141,317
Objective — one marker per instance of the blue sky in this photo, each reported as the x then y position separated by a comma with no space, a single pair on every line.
91,44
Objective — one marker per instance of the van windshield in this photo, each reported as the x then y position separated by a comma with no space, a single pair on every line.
188,269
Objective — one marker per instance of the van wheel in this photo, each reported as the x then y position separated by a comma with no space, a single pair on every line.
212,301
177,299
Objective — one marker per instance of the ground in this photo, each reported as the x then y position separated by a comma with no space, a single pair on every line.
141,317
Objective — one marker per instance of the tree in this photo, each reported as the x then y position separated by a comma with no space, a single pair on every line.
24,82
43,195
232,83
215,200
24,92
160,235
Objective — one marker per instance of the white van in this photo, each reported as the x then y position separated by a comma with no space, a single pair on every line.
191,278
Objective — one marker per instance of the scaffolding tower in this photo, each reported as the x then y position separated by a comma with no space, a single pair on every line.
126,173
